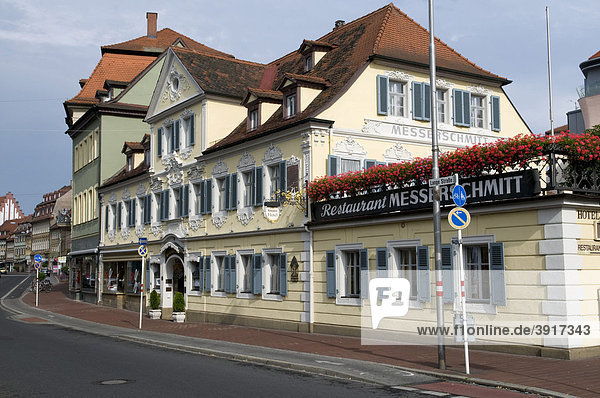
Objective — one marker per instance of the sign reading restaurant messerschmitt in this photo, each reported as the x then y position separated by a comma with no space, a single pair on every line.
496,187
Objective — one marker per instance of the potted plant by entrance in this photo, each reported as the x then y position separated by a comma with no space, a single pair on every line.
155,311
178,308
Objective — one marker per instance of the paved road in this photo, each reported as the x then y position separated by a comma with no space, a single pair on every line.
40,358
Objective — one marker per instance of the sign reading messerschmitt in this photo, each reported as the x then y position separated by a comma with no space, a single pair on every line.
495,187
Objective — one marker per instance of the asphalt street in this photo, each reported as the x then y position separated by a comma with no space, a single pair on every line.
45,359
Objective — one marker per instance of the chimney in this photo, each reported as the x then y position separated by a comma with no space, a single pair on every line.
152,18
339,23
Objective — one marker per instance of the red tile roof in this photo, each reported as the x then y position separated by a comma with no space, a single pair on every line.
596,55
164,38
119,67
387,33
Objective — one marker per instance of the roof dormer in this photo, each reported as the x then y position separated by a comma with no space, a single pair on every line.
136,152
299,91
114,88
102,95
261,105
313,52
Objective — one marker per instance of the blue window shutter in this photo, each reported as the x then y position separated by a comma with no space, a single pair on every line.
232,276
363,260
332,168
423,286
330,273
282,177
201,273
382,95
179,202
458,107
119,211
202,197
208,280
106,219
192,129
233,191
209,196
417,100
167,194
257,274
495,113
381,260
227,192
227,270
258,186
159,138
176,128
426,102
186,199
448,273
147,281
467,108
370,163
283,274
497,278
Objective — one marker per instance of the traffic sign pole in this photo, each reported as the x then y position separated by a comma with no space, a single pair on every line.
142,251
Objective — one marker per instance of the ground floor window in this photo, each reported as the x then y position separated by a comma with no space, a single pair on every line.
114,276
245,274
88,280
347,273
134,276
196,275
477,276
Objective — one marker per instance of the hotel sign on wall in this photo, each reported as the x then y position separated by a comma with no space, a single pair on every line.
491,188
406,132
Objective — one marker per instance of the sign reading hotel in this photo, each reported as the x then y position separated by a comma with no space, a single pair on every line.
422,134
490,188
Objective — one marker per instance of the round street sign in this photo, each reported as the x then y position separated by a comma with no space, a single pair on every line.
459,218
459,195
37,258
142,250
36,265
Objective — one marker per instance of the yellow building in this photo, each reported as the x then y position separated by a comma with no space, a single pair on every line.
233,143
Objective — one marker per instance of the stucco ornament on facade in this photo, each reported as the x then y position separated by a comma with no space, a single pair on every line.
156,230
349,147
397,153
112,234
185,153
272,154
171,245
141,191
399,75
444,84
112,199
218,219
220,168
125,233
196,172
155,184
176,84
173,168
126,195
479,90
140,230
245,214
246,162
195,223
371,127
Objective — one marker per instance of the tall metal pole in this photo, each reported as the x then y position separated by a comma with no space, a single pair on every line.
549,69
142,289
437,225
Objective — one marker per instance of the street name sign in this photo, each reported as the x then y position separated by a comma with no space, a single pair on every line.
434,182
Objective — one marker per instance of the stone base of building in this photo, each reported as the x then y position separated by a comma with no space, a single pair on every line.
240,320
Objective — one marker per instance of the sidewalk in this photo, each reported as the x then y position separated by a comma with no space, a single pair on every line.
573,377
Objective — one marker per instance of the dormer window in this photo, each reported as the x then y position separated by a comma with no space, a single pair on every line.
129,162
290,105
308,63
147,156
253,119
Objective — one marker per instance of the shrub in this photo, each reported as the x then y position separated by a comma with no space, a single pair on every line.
41,276
178,302
154,300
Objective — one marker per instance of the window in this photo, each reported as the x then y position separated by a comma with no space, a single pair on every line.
222,188
169,137
248,195
407,266
159,141
224,270
204,197
131,212
407,260
308,63
421,96
253,116
397,99
338,165
129,162
347,165
462,108
290,105
478,111
134,276
147,209
189,130
119,215
484,276
245,280
114,276
226,192
347,273
163,206
274,274
276,179
147,156
219,274
477,275
442,105
196,268
113,209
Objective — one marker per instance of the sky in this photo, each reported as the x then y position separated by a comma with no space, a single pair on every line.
46,46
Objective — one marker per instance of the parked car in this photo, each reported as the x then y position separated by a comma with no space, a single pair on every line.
3,270
46,271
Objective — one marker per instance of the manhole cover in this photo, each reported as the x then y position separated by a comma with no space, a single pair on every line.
114,382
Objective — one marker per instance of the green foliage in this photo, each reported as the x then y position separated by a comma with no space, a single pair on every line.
154,300
178,302
41,276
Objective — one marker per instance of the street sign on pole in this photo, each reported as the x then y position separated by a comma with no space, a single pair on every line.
459,195
459,218
142,241
36,265
143,250
37,258
434,182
